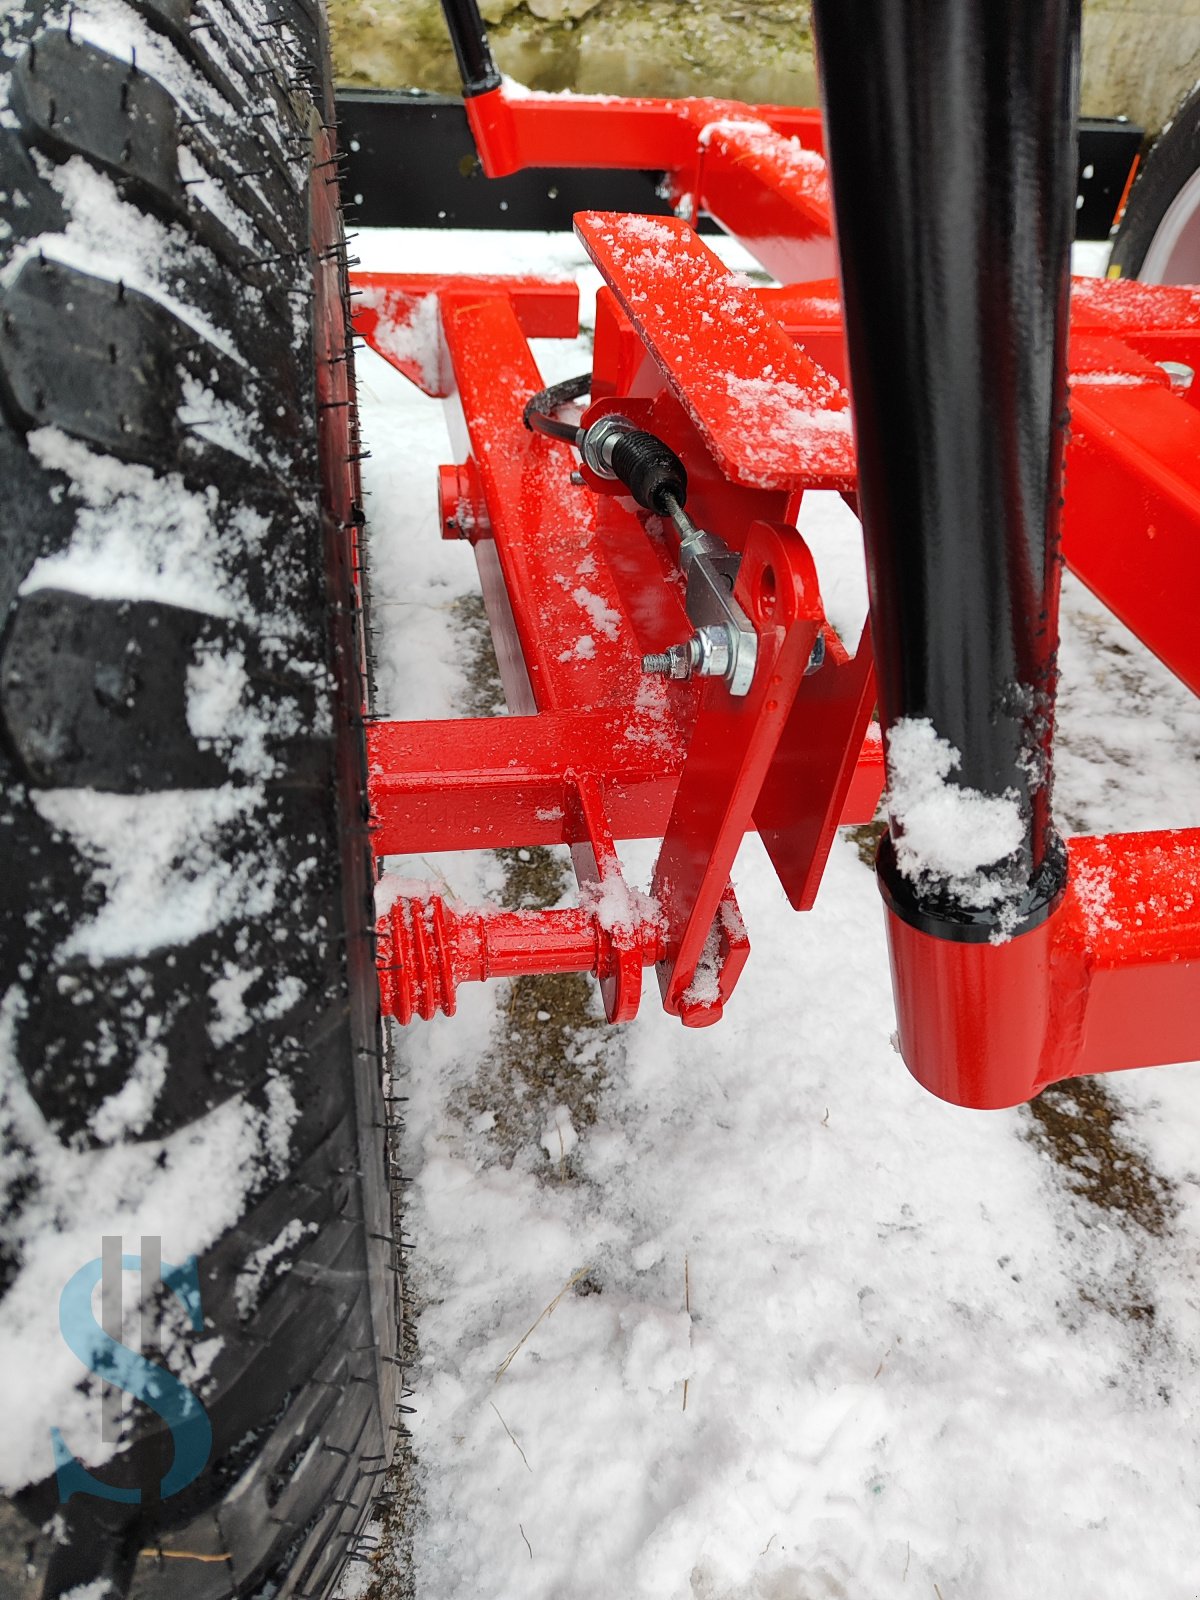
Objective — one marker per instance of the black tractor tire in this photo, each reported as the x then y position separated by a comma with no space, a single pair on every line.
1158,237
190,1045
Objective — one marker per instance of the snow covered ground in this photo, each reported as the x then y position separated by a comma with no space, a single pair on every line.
815,1335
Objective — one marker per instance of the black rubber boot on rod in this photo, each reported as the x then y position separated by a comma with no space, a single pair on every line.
476,67
950,128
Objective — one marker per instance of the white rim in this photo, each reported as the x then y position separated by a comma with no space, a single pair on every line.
1174,253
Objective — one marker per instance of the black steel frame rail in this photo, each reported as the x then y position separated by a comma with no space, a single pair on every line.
411,163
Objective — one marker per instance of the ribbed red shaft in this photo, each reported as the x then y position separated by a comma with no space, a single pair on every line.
426,948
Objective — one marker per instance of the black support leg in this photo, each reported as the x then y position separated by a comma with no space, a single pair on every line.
950,128
476,67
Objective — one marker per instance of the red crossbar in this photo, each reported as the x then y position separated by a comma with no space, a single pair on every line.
389,307
494,783
535,130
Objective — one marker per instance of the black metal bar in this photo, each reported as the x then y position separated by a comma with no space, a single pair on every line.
410,163
950,127
469,37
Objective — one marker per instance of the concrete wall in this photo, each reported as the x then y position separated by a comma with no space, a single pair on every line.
1139,56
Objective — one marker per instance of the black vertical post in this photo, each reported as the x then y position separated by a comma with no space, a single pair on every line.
476,67
950,128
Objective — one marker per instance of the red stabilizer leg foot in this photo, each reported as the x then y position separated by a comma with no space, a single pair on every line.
976,1021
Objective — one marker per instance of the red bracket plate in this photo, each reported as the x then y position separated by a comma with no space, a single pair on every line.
772,418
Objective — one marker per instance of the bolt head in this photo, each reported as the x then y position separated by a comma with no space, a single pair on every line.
1180,374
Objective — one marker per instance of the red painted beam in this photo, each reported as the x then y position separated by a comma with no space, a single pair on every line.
555,130
1131,517
494,783
772,194
396,314
569,614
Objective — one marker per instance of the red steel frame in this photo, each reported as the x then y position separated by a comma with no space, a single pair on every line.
746,384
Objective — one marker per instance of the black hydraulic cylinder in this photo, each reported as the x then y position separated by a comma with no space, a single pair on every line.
950,129
476,67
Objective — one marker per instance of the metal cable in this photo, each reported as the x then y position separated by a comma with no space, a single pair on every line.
539,408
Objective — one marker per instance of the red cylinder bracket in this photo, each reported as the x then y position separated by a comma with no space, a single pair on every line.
1111,979
975,1021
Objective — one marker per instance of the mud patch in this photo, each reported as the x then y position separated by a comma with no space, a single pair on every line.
1082,1128
548,1051
380,1563
550,1045
385,1548
484,696
865,837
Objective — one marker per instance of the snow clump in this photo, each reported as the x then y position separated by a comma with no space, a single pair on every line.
946,834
